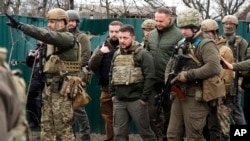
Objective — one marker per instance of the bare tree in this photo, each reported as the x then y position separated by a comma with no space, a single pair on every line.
11,6
215,8
229,7
243,14
43,7
71,4
156,3
202,6
5,6
121,10
106,4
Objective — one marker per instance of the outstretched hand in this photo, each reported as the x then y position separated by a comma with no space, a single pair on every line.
12,22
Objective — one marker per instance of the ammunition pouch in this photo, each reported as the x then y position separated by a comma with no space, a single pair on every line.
54,83
81,99
213,88
74,88
53,65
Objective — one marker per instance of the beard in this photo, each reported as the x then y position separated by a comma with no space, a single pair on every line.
127,47
72,29
114,42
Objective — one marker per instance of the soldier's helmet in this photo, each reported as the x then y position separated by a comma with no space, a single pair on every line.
248,17
189,18
230,19
57,14
209,25
73,15
148,23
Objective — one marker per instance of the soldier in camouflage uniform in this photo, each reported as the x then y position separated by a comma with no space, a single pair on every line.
230,23
244,66
14,126
147,26
217,130
188,116
246,79
131,76
62,59
80,114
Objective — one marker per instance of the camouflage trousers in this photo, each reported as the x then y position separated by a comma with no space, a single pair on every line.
57,116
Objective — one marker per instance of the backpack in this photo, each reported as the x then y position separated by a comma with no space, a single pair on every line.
21,130
13,95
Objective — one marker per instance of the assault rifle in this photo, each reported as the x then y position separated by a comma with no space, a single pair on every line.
164,95
235,91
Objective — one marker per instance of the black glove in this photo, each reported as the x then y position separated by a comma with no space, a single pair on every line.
12,22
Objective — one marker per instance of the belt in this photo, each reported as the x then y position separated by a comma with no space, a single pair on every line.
51,75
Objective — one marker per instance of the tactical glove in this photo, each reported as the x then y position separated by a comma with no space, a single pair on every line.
12,22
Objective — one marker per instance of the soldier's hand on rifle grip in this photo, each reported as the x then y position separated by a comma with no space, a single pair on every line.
12,22
182,76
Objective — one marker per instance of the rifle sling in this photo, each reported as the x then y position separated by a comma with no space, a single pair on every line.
192,55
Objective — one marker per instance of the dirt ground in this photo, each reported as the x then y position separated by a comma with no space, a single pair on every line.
94,137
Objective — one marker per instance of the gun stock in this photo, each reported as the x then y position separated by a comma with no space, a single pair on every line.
178,92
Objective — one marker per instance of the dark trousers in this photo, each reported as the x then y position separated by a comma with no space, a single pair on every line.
159,120
81,120
33,105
